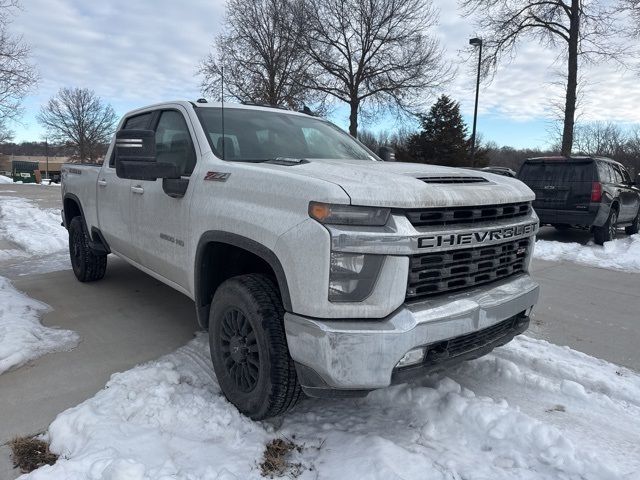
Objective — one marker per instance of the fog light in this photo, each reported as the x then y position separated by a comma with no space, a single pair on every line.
412,357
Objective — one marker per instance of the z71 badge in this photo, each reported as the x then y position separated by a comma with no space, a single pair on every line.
217,176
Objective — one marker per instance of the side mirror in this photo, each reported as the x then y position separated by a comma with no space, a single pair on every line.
135,155
387,154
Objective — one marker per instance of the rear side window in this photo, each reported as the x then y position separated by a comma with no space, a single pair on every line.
604,172
139,122
622,174
617,173
557,172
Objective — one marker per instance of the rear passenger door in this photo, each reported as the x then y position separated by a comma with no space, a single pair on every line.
161,220
628,194
114,198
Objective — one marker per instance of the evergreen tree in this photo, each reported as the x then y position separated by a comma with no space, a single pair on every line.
443,139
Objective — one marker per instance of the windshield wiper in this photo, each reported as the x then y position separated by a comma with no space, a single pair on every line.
274,160
286,161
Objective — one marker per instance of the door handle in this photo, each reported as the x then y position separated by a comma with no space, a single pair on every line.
102,182
137,189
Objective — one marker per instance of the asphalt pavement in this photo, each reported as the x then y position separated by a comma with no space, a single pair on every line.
129,318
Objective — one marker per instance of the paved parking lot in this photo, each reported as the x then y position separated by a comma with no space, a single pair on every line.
130,318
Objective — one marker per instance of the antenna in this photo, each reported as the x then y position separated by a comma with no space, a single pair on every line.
224,140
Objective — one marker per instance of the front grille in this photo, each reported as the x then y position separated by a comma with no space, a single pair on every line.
457,215
442,272
449,180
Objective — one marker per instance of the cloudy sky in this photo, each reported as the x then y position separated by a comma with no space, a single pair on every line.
135,53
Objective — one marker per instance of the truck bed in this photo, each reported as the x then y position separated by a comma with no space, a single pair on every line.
80,180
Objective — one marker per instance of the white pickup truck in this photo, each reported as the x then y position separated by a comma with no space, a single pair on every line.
315,266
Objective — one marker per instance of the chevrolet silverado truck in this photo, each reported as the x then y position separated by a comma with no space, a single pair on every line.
315,266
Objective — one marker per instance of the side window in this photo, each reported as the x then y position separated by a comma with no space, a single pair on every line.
133,123
617,173
626,178
173,142
603,172
138,122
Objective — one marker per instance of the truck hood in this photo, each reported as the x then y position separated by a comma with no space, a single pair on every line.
402,185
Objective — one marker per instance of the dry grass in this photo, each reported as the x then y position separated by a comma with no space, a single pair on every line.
275,462
29,453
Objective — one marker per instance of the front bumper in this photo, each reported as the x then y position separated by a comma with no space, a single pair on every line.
351,356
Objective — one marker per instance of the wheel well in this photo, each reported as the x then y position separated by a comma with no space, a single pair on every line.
219,261
615,206
71,210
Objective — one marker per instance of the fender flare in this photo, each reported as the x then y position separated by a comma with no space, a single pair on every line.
96,239
256,248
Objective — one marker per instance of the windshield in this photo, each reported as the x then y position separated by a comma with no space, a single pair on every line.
257,135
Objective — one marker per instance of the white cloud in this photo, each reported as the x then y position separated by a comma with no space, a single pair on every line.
130,53
135,53
526,88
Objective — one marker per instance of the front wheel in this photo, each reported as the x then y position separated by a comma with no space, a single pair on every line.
249,347
87,265
608,231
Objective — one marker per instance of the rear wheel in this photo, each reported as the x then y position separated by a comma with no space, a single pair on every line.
249,347
87,265
608,231
635,226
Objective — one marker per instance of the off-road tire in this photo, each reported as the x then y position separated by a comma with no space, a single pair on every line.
634,227
249,347
606,232
88,266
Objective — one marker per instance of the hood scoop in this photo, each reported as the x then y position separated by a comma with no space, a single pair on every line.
452,179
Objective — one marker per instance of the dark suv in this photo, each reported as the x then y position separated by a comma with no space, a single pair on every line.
588,192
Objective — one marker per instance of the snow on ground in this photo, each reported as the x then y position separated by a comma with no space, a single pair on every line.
29,229
619,254
4,179
530,410
22,337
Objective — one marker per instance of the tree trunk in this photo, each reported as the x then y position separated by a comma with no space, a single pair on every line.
353,117
572,79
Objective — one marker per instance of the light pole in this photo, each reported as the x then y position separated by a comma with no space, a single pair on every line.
476,42
46,151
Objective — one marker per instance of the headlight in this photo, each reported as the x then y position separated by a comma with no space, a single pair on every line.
348,215
352,276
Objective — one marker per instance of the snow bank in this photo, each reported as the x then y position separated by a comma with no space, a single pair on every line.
22,337
531,410
619,254
33,231
4,179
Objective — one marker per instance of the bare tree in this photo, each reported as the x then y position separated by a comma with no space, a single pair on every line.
374,54
600,138
78,118
578,29
632,8
17,75
261,53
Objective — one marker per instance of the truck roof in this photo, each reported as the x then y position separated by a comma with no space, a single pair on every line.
188,104
574,158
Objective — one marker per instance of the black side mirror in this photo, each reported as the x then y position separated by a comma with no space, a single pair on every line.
387,154
135,153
